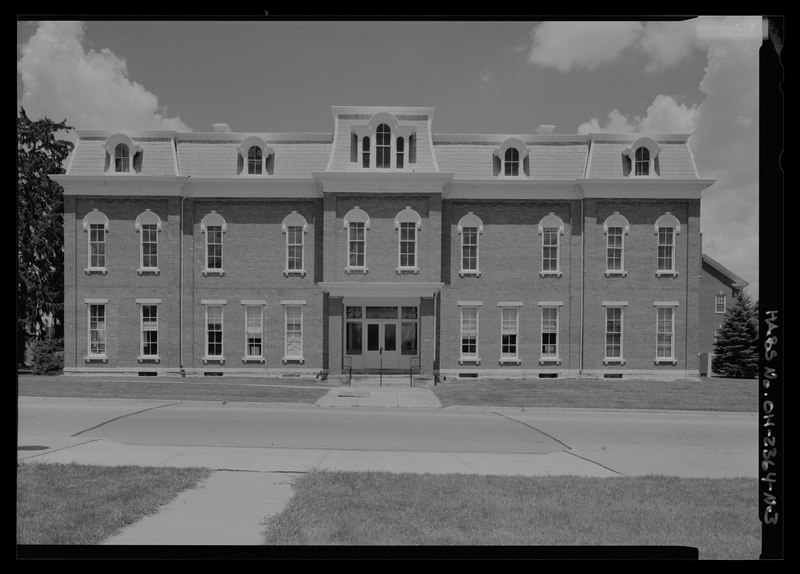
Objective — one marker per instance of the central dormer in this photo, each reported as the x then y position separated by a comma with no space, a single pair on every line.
383,140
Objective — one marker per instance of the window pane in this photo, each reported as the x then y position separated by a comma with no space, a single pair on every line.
354,338
390,337
408,336
373,334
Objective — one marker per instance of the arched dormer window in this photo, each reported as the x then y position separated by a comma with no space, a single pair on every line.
408,223
512,154
96,225
214,227
667,228
551,228
642,154
121,151
615,227
294,226
356,223
254,153
470,227
383,142
148,224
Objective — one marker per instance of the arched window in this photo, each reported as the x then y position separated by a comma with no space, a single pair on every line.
214,227
383,147
148,224
408,223
511,162
615,228
356,222
294,226
122,158
642,161
551,228
666,229
254,153
400,152
470,227
255,160
511,153
96,225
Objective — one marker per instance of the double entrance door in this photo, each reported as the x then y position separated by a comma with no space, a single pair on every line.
381,349
381,335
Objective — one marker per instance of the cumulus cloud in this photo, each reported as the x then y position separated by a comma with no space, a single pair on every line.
90,89
665,115
564,45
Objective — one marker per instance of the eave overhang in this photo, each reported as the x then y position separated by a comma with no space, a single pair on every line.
381,181
145,185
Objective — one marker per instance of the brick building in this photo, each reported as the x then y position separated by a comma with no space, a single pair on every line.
382,245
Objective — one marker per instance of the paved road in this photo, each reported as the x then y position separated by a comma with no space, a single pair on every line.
609,443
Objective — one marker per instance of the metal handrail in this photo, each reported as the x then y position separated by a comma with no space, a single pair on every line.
349,365
411,367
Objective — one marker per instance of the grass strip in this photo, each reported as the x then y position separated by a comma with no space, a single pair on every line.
80,504
718,516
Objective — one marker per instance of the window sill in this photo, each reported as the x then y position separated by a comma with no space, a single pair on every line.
550,274
207,272
672,362
471,272
550,361
96,270
510,361
253,360
357,270
407,270
148,359
616,273
219,360
300,360
294,273
471,360
148,271
613,361
666,273
96,359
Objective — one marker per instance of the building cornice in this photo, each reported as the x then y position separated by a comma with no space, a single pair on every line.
644,188
382,181
372,110
146,185
268,137
513,189
255,187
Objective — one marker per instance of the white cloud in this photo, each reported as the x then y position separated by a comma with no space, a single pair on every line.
665,115
564,45
91,90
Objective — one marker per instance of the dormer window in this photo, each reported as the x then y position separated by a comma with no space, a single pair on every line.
383,143
511,162
641,163
255,156
121,151
511,158
122,158
400,152
365,153
255,161
642,155
383,147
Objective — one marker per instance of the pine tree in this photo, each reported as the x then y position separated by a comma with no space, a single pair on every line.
736,349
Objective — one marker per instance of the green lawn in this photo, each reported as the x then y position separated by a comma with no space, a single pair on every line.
718,516
78,504
710,394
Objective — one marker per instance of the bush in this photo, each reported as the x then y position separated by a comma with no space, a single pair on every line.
48,357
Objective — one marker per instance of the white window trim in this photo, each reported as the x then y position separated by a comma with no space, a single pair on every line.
724,304
550,359
652,147
287,304
668,220
150,303
500,152
618,221
621,306
244,149
101,357
294,219
407,215
214,303
476,358
671,306
110,145
396,130
551,221
261,304
506,359
213,219
147,217
356,215
470,220
95,217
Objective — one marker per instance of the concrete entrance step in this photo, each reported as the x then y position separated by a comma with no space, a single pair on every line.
388,381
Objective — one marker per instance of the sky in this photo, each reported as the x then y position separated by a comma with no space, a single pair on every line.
698,76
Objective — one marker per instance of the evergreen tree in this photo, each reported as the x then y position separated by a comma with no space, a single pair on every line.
40,230
736,349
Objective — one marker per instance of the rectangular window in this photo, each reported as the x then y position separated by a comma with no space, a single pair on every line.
97,330
550,249
666,245
381,312
400,151
214,331
357,244
294,332
469,249
214,247
614,332
409,313
354,342
365,153
469,332
97,246
149,330
408,245
549,332
294,248
408,336
254,330
509,329
664,333
719,304
614,249
149,246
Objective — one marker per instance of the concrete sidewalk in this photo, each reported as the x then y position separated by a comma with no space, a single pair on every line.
388,397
